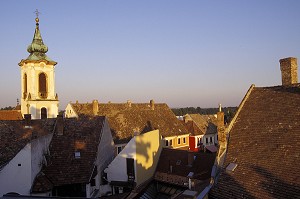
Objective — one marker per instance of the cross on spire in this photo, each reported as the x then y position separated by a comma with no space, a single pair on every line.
37,13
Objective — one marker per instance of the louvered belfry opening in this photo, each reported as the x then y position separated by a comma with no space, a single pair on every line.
42,86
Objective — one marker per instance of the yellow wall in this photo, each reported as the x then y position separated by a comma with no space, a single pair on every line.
175,141
148,149
34,104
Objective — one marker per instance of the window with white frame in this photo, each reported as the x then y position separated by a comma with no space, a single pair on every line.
119,149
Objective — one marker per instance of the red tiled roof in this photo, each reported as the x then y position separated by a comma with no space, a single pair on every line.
79,135
41,184
178,159
192,128
10,115
126,120
202,124
265,144
14,136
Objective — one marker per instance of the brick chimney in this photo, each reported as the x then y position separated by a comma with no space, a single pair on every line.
221,128
27,118
289,71
95,107
152,104
129,103
60,125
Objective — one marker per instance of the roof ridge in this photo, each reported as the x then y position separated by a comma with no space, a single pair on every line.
240,108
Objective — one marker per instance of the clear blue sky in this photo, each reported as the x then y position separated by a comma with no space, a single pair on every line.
182,52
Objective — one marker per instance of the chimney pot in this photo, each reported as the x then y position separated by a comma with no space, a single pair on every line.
152,103
221,129
95,107
129,103
289,71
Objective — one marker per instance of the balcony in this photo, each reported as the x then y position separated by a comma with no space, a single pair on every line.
43,95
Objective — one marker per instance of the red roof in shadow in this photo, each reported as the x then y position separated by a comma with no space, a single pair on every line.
264,143
73,154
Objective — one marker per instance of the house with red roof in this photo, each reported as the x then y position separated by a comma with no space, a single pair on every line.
203,131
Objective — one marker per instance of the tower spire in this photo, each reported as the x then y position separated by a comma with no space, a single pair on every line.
37,48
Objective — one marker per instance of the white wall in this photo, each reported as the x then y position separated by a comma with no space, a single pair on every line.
69,112
19,179
14,178
105,155
33,70
39,147
117,171
145,150
209,136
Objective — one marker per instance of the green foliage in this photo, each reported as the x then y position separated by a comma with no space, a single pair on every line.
7,108
228,111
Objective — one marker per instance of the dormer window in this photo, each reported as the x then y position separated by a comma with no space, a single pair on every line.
231,167
77,154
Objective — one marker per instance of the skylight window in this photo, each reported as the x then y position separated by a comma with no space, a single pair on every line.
190,175
231,167
77,155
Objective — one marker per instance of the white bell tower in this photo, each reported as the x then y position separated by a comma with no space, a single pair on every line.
38,96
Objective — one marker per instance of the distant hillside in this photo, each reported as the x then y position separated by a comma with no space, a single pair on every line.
228,111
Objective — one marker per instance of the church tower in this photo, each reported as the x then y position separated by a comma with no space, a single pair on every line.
38,96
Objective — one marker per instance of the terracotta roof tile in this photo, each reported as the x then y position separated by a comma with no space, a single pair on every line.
265,144
202,124
14,136
79,135
41,184
126,120
10,115
201,165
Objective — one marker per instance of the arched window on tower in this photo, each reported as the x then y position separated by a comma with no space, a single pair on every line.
43,113
25,86
42,86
